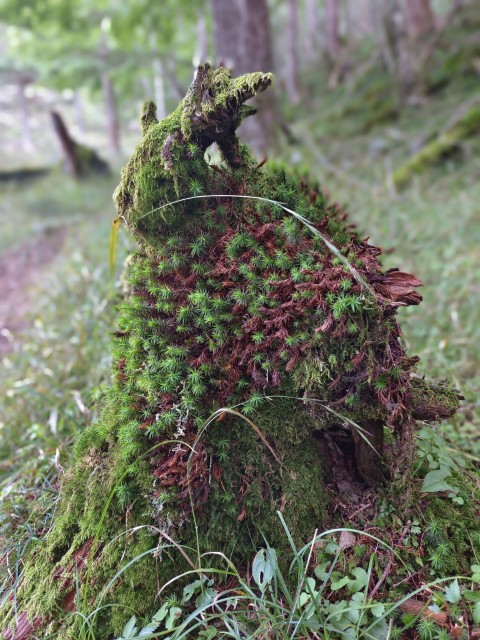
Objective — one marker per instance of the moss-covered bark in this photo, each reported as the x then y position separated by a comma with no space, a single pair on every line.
232,302
439,148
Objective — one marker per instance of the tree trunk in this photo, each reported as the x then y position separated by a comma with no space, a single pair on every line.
68,146
113,127
292,59
360,17
332,21
242,42
418,17
79,160
228,33
311,30
396,50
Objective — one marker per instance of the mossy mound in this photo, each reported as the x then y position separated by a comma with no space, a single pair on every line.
249,339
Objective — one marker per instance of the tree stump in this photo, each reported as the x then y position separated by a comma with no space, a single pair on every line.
257,357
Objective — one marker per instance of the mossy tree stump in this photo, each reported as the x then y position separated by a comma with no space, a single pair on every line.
233,303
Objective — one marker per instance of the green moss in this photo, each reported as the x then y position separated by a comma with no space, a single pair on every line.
435,151
231,303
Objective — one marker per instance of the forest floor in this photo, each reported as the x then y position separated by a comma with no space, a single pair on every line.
20,269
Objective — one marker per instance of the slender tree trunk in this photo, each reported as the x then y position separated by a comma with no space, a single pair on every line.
227,32
360,17
396,50
365,16
68,146
111,113
311,30
292,59
332,22
242,42
419,17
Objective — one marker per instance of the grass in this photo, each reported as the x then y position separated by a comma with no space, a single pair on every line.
52,384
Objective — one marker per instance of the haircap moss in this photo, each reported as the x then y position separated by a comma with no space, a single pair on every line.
252,373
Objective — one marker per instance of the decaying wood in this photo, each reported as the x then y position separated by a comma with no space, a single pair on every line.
79,160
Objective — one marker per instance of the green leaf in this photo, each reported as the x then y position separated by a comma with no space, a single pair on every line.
335,586
378,609
190,589
263,567
206,597
130,630
303,598
434,481
161,613
148,630
472,596
321,571
173,614
453,593
476,613
475,568
208,633
360,581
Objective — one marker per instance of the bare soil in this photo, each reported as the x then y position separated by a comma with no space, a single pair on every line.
21,270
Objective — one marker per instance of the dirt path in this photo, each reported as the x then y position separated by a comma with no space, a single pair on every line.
20,270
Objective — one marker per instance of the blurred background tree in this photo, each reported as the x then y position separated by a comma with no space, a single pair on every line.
100,60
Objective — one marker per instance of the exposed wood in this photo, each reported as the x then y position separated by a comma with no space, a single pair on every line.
67,144
418,608
78,159
369,452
